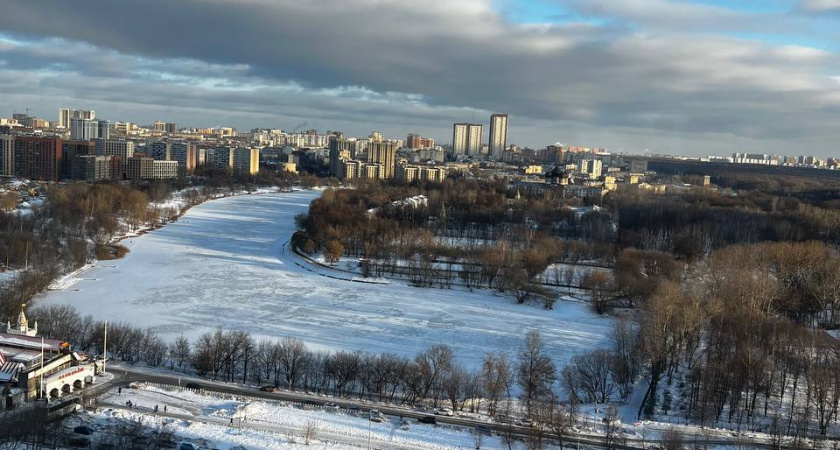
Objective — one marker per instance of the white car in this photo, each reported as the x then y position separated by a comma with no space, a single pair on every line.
444,412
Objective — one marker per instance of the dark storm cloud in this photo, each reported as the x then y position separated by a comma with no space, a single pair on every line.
425,64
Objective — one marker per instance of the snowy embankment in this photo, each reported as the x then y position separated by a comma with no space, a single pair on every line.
224,264
260,424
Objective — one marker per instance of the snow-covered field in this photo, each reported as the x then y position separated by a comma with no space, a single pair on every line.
225,263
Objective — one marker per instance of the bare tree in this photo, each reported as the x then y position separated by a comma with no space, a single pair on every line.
536,372
293,356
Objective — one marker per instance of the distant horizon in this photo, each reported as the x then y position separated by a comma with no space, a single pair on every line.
363,135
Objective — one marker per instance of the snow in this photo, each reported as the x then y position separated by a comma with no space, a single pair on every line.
227,263
262,424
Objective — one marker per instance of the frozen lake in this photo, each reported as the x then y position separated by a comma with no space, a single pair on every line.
224,264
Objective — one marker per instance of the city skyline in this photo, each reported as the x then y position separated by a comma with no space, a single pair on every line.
736,77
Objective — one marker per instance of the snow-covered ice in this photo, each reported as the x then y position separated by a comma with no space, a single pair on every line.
225,263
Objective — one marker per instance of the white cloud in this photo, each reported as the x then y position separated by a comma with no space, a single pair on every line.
414,66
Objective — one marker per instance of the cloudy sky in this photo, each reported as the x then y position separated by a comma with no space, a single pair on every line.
693,77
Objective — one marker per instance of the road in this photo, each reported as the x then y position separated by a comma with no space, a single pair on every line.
126,374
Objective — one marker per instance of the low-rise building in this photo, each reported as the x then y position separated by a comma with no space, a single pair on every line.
32,367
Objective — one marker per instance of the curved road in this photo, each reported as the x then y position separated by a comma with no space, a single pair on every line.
175,380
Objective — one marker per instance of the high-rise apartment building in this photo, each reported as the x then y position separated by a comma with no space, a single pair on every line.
412,141
159,126
219,158
123,149
246,160
7,155
591,167
554,154
340,150
38,158
384,153
185,154
103,129
159,151
498,135
65,114
415,141
466,138
70,150
83,129
92,168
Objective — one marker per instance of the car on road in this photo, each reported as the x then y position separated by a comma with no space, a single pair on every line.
268,388
192,385
428,419
527,423
444,412
188,446
83,429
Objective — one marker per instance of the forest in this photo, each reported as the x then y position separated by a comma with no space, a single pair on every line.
79,222
735,285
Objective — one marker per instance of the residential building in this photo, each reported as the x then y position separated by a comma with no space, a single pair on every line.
159,126
103,129
159,151
340,150
246,160
219,158
385,154
371,171
591,167
410,173
38,157
163,170
554,154
185,154
466,139
434,174
72,149
92,168
498,135
412,141
65,114
84,129
112,147
350,169
171,127
407,174
138,167
7,155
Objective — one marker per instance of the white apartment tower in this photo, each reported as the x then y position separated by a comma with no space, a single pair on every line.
498,135
65,114
466,138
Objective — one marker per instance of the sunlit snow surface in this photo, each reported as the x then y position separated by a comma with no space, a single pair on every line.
224,264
